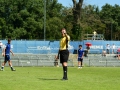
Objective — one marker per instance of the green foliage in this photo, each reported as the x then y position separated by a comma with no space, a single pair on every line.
110,16
24,19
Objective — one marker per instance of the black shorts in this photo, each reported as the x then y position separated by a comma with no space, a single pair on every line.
64,54
80,59
7,58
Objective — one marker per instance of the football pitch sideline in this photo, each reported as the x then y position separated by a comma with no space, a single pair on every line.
49,78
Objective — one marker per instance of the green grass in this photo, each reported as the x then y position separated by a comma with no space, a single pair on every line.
49,78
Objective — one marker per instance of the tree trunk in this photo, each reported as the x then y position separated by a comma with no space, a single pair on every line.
77,7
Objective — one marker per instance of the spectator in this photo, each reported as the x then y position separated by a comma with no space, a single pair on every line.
94,35
113,48
103,52
108,48
118,55
1,47
1,44
86,51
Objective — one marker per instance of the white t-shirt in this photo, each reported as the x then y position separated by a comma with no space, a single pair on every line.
108,46
1,44
113,46
94,33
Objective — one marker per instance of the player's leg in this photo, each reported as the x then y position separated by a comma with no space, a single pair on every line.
10,64
3,64
64,58
79,63
61,61
65,71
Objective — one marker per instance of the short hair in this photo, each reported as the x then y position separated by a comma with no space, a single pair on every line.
63,29
80,45
9,39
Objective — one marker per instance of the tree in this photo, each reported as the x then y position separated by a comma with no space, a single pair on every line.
91,21
55,20
23,19
110,16
77,7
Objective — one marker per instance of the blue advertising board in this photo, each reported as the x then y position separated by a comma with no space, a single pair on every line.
45,47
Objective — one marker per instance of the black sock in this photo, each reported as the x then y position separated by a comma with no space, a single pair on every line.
81,64
2,67
65,71
11,68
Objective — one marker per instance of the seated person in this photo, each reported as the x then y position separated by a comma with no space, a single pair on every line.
118,55
86,51
88,48
94,35
104,52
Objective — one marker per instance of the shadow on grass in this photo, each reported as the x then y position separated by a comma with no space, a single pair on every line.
48,79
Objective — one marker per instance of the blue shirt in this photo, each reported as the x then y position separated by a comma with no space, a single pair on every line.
80,53
7,49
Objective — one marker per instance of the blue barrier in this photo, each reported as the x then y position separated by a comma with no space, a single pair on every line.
44,47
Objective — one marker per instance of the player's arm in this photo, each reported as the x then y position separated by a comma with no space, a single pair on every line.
67,36
78,53
83,54
3,51
58,54
12,52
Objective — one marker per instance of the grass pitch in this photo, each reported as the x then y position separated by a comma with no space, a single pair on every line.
49,78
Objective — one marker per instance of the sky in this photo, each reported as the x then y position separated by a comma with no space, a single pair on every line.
100,3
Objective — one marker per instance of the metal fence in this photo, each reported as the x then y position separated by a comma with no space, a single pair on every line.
29,59
99,60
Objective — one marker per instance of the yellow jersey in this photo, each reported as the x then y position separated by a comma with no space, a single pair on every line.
64,42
